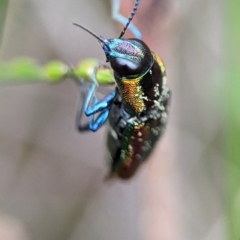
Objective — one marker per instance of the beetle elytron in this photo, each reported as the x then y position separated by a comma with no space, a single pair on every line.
136,110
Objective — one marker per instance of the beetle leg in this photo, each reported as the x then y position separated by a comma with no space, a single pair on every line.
92,105
97,106
95,124
123,20
81,127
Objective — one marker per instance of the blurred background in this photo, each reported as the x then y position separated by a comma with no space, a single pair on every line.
51,176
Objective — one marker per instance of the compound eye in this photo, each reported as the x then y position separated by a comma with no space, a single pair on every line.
125,67
106,51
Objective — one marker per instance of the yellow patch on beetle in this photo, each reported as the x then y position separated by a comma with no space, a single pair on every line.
161,64
133,94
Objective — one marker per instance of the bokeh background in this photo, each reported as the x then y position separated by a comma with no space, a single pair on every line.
51,176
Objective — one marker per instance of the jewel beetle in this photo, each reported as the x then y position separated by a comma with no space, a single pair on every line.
136,110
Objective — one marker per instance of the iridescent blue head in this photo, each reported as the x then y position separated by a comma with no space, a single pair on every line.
127,57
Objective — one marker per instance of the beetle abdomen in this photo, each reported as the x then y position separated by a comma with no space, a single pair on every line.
130,138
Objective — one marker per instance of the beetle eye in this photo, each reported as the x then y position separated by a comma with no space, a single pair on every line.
125,67
105,48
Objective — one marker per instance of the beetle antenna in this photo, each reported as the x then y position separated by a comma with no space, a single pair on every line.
92,33
130,18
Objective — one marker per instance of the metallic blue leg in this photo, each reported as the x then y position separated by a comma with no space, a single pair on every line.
100,120
98,106
92,106
123,20
80,126
102,107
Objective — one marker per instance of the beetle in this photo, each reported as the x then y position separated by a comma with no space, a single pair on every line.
136,110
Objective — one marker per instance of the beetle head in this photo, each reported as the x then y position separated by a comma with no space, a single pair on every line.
127,56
